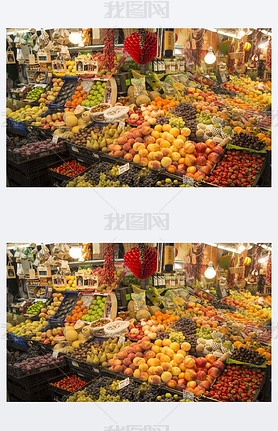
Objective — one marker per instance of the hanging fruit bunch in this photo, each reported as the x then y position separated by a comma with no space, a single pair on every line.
255,54
257,254
241,264
230,276
268,56
108,50
269,269
109,264
199,261
199,46
231,61
241,49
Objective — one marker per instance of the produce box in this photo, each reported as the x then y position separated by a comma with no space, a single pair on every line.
65,384
242,379
54,363
68,164
238,154
67,90
65,308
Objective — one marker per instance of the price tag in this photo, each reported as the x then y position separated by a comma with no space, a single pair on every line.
55,139
122,125
187,395
96,156
123,168
188,180
124,383
75,149
55,354
75,364
96,370
121,339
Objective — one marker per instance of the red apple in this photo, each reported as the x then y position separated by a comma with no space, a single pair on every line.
218,364
214,372
201,375
214,157
201,160
205,384
200,147
201,362
218,150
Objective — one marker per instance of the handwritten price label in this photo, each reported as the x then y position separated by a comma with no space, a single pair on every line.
55,354
188,180
187,395
123,168
122,125
121,339
124,383
55,139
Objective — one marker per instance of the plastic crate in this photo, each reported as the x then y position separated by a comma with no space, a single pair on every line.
57,393
67,296
67,80
38,395
34,381
56,176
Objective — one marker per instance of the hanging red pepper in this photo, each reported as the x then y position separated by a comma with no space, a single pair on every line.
268,55
241,49
109,263
109,50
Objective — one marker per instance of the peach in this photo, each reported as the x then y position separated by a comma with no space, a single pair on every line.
127,362
199,176
122,355
186,346
164,144
143,367
189,160
151,370
158,370
190,374
154,164
166,366
136,374
174,131
128,371
144,161
175,371
165,358
191,169
189,147
158,343
128,157
144,376
166,376
122,140
168,137
154,380
189,362
175,156
182,152
155,134
137,361
155,349
167,152
158,155
150,354
179,143
174,346
192,384
138,146
178,358
165,162
151,155
166,127
185,131
143,153
174,363
174,149
136,158
146,345
158,128
118,368
182,137
127,147
166,342
150,139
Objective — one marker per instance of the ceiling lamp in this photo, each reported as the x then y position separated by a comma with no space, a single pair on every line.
75,38
210,271
75,252
210,57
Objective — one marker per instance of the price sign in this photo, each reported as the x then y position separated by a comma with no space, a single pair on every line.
55,354
55,139
187,395
122,125
121,339
123,168
75,149
124,383
187,180
75,364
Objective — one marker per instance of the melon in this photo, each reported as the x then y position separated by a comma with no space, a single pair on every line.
71,335
75,344
86,332
67,115
79,325
75,129
71,120
81,123
143,314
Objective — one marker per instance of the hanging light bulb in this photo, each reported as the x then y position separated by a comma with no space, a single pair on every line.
75,252
210,271
210,57
75,38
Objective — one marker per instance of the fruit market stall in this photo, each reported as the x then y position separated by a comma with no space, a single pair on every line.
140,322
127,110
